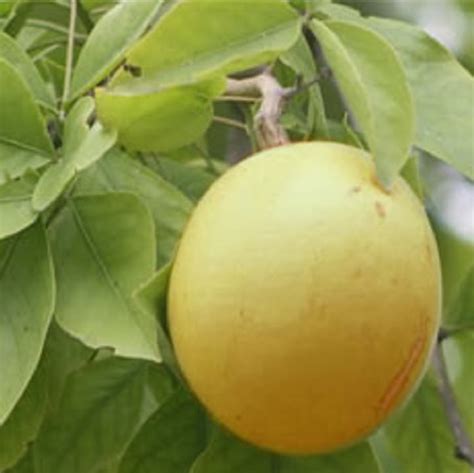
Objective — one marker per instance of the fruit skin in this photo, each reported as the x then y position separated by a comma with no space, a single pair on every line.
305,300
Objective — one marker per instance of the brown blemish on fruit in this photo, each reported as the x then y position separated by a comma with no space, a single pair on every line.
355,190
380,209
402,376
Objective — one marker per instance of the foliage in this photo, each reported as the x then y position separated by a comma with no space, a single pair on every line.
98,179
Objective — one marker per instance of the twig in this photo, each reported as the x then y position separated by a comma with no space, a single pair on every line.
69,53
268,129
230,122
464,449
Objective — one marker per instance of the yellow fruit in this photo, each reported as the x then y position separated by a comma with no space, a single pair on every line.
305,300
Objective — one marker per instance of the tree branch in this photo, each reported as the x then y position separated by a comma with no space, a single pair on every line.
69,54
464,449
268,129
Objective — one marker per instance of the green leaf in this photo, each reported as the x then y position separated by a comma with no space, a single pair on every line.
225,37
457,264
170,440
373,82
27,295
462,312
100,410
12,52
227,454
117,172
15,161
443,92
190,180
21,122
15,206
161,121
358,459
84,145
107,44
411,174
25,465
104,248
22,426
61,355
52,184
419,437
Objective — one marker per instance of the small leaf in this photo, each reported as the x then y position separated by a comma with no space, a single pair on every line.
419,437
170,440
27,295
104,248
106,45
15,206
84,145
21,122
100,410
117,172
372,80
52,184
12,52
161,121
224,39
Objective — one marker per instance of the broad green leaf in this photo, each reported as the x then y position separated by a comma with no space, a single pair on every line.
99,413
170,440
459,353
61,355
21,122
160,121
373,82
108,42
16,209
419,437
17,57
104,248
117,172
52,184
190,180
227,454
224,38
27,302
445,121
15,161
22,426
300,59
